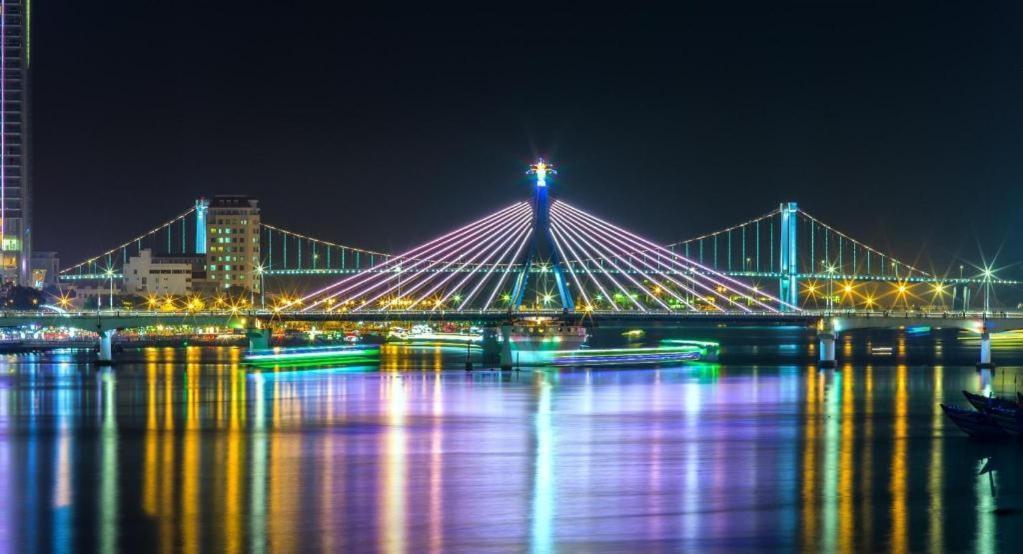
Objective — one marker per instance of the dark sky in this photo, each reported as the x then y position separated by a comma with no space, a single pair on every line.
902,125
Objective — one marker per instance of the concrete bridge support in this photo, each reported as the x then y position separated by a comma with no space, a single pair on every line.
985,351
506,352
106,344
259,339
827,349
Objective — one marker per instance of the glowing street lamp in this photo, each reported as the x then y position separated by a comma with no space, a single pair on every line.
988,273
110,275
260,270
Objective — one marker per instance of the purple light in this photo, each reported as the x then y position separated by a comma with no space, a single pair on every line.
696,282
575,279
504,275
640,260
500,262
623,254
408,254
607,276
500,237
555,232
571,232
493,258
426,274
673,257
451,240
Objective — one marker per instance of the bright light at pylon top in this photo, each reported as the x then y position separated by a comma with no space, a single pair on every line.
541,169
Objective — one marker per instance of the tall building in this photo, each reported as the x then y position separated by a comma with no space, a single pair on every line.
15,185
15,208
232,242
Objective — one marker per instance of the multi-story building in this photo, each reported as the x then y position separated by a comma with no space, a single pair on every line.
146,274
232,242
15,185
45,268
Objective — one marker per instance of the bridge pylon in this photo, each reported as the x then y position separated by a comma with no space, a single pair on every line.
788,285
542,246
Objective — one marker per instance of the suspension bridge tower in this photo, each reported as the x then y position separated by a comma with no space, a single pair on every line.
542,247
788,284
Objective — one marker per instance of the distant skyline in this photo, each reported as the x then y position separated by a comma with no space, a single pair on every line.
901,125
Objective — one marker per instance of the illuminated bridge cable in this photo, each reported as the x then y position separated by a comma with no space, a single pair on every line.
606,275
136,240
471,255
493,258
482,251
616,244
555,231
717,278
683,273
721,279
504,263
398,259
601,250
867,248
437,250
570,271
429,263
426,248
504,275
314,242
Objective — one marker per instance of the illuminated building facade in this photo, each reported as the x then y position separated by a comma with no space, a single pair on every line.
15,185
161,275
232,242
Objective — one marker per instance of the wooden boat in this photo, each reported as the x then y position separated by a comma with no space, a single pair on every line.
978,425
980,402
1007,419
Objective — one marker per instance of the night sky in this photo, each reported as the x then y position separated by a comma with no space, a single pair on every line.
902,126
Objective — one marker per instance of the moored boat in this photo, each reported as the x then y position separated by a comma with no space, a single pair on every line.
980,402
978,425
1006,418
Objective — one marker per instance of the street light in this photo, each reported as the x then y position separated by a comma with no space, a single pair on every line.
988,273
262,290
110,274
831,287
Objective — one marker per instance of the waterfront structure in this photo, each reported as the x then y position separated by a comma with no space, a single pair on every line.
45,269
785,257
148,274
232,242
15,122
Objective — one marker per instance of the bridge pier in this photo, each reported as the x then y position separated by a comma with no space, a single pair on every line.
259,339
106,351
985,351
827,349
506,353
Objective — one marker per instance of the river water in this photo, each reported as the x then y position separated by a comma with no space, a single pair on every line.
183,449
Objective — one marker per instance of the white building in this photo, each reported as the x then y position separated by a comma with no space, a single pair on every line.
144,274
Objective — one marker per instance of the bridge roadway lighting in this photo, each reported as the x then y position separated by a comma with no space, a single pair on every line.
110,274
988,273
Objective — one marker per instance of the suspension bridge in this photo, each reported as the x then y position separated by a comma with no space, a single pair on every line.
545,257
547,253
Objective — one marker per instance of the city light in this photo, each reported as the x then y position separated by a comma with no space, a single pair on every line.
541,169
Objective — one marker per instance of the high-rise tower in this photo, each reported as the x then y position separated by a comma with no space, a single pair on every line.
15,183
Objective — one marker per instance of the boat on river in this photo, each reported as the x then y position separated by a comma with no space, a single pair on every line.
981,402
312,355
978,425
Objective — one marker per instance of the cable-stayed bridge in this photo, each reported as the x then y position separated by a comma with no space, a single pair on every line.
545,253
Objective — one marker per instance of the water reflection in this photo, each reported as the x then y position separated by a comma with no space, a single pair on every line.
182,449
